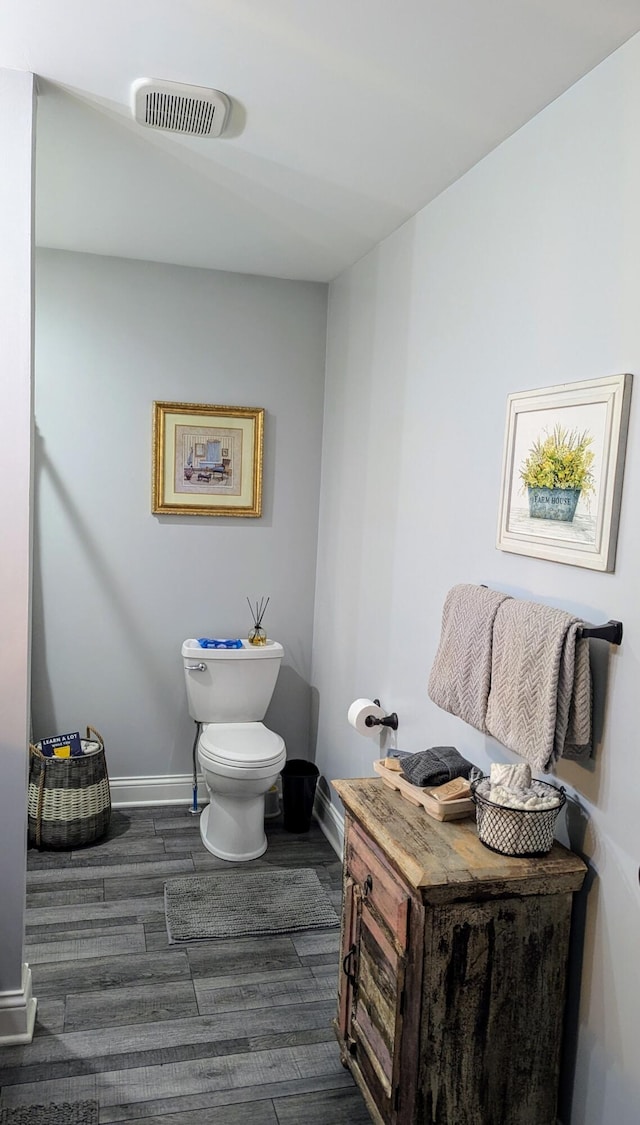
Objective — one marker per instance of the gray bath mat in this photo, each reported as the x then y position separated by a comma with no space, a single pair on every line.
55,1113
238,903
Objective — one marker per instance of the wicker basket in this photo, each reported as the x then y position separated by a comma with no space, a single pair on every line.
516,832
69,801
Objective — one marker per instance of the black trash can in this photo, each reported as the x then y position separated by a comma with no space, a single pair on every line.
299,779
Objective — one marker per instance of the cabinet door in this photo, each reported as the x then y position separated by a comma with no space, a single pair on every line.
348,953
376,1009
376,955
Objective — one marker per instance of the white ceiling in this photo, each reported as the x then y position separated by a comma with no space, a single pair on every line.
348,116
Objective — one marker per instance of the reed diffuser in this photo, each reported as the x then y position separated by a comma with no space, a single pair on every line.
257,636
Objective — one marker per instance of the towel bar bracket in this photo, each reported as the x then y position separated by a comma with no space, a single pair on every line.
611,632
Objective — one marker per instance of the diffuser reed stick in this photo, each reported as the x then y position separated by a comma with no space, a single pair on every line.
257,636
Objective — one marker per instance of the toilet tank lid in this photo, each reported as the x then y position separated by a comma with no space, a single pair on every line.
191,648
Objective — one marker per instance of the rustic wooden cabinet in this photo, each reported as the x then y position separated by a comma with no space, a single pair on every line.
454,959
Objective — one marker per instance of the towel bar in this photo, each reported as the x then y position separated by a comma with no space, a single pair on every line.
611,632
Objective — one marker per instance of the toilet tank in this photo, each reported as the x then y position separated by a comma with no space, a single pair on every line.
230,685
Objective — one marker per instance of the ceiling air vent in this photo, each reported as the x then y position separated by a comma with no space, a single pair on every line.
176,108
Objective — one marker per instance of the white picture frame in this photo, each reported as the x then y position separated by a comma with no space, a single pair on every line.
577,526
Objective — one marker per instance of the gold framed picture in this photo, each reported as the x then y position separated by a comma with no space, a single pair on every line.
207,460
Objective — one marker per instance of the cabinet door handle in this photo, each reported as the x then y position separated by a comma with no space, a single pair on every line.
367,886
347,965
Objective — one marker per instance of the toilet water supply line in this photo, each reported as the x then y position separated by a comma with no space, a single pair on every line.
194,807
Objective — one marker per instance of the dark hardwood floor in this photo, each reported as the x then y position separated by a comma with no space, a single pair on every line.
231,1032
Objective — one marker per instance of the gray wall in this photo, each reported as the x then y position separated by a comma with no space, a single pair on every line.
117,589
525,273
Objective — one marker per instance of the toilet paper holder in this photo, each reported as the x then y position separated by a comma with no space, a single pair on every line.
388,721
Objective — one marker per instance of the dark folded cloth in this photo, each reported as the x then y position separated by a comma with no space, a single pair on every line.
435,766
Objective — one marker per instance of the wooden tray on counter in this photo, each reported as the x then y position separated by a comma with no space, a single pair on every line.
440,810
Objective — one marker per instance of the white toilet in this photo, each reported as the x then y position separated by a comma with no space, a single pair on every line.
228,692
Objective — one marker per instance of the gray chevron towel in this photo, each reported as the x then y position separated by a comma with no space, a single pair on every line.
461,674
540,699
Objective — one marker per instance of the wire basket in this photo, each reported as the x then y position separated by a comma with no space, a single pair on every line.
516,832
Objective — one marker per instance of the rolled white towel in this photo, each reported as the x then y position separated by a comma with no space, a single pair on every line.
512,777
521,798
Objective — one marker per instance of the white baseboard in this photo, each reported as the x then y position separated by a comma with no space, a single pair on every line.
172,789
330,821
18,1013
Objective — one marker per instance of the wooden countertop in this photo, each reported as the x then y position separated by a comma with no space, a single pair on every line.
446,859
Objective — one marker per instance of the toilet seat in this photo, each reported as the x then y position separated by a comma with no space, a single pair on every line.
241,746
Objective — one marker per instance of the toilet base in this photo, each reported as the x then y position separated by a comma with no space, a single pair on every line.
232,829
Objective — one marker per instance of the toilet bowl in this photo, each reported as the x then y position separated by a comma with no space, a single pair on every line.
240,762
